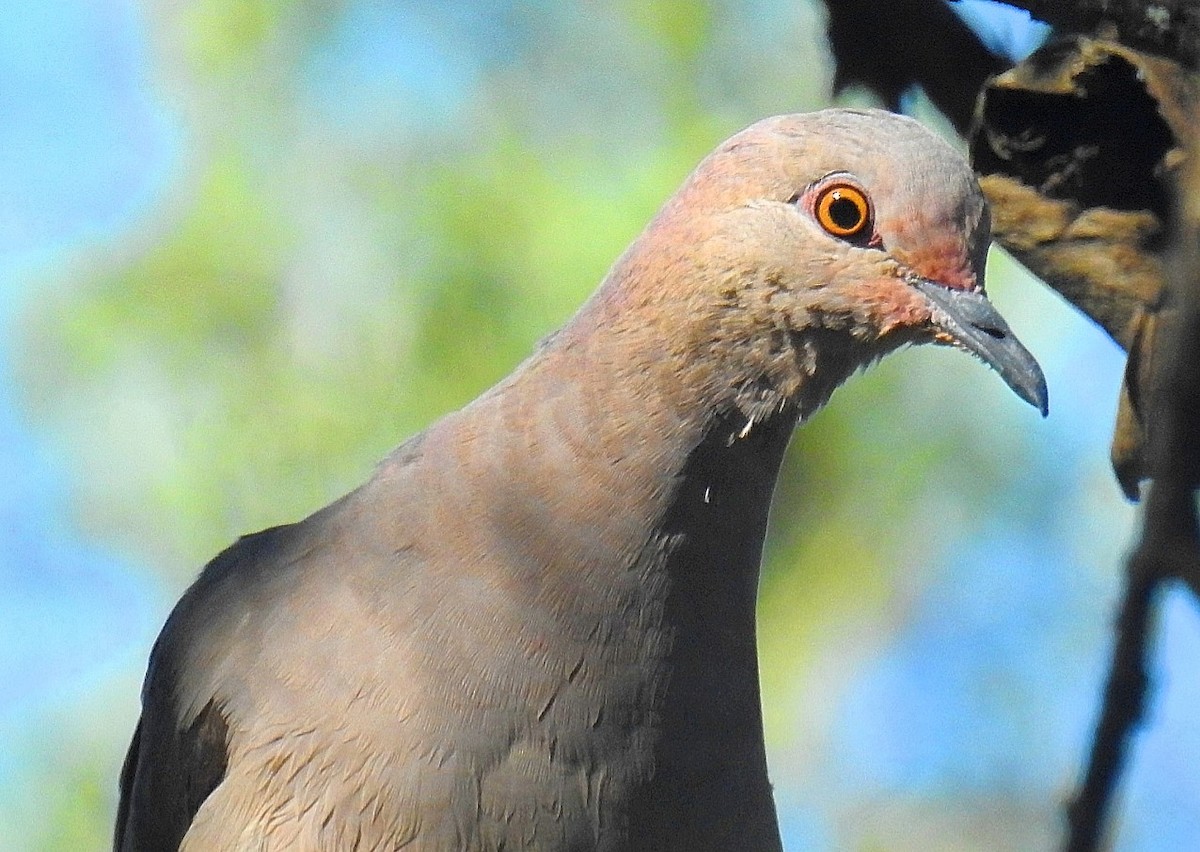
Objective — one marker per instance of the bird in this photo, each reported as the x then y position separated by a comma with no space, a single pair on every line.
533,626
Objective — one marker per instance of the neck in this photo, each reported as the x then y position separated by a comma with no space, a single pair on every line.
653,573
711,764
628,550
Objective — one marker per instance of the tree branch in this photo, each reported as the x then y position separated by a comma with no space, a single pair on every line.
1170,546
891,46
1169,27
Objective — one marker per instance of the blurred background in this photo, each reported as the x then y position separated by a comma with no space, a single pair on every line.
247,246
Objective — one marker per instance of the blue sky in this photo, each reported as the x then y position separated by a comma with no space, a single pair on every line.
83,150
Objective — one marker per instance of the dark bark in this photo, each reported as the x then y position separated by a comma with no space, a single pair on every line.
886,48
1167,27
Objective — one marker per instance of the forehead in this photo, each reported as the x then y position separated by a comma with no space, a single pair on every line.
892,155
925,197
915,179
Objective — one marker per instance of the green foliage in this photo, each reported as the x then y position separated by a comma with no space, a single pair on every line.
346,289
77,812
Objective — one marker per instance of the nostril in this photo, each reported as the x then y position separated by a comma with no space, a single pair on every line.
994,333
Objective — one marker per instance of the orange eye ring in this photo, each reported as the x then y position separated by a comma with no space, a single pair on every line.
843,210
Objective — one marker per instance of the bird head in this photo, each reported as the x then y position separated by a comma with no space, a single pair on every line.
858,225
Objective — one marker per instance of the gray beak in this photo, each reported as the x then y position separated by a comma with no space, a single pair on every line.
969,318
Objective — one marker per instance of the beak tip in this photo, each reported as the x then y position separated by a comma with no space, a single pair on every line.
1036,393
1028,382
1030,385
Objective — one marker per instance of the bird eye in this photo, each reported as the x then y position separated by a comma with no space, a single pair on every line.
843,211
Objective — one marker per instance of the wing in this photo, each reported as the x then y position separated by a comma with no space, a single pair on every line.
179,754
313,689
165,780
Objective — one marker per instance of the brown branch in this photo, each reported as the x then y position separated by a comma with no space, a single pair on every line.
1170,547
1124,697
1175,446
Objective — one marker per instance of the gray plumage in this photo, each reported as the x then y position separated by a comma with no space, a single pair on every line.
533,627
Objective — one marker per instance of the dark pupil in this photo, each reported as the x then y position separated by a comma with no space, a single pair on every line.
845,213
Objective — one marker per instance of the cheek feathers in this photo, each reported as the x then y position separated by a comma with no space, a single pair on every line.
941,255
893,305
935,246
